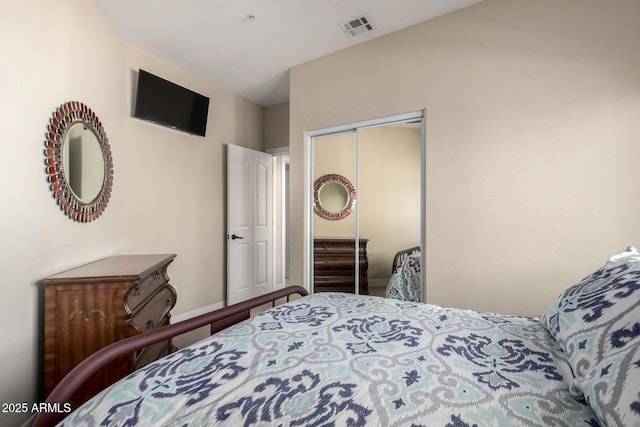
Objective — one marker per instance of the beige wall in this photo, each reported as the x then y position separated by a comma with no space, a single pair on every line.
532,140
168,191
276,126
388,191
176,182
42,45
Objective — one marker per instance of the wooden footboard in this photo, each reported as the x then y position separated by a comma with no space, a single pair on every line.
217,320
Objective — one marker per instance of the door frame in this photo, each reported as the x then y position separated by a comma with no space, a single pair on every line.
308,180
281,219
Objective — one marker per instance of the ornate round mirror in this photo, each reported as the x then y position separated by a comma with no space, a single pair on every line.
78,160
333,197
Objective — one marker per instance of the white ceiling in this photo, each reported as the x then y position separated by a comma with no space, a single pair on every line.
215,40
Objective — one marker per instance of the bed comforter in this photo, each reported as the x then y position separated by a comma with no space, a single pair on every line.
405,282
340,359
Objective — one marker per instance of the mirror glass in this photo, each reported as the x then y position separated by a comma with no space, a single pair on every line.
78,161
385,162
83,162
334,197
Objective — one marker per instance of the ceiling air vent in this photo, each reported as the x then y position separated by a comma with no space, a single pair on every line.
357,27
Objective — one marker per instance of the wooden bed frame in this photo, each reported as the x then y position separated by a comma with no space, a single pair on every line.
401,256
217,320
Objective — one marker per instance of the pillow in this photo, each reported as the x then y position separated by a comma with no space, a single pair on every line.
586,313
612,387
631,254
596,322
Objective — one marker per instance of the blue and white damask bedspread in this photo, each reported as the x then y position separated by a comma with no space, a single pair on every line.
340,359
405,282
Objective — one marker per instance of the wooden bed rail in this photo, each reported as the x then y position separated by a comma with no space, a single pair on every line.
218,320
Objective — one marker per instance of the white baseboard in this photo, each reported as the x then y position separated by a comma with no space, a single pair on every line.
202,310
197,312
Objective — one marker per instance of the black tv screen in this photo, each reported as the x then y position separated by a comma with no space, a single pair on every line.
163,102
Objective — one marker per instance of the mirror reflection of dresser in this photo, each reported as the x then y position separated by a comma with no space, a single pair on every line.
334,265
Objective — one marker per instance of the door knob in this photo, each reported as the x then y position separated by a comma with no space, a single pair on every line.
234,237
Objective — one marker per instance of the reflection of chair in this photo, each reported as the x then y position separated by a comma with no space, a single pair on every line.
402,255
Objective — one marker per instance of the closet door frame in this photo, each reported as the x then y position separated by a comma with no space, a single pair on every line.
311,137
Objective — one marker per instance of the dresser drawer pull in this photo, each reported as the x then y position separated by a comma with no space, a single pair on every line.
136,290
150,324
156,274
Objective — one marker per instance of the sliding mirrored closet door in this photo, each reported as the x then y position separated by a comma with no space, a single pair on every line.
366,202
335,207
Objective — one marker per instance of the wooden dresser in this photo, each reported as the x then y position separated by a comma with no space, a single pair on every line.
334,265
91,306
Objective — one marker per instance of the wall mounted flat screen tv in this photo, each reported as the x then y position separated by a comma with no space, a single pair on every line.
165,103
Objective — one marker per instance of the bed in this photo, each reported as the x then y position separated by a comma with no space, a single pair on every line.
334,359
405,282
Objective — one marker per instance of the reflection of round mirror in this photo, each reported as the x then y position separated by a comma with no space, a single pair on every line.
78,161
83,163
333,197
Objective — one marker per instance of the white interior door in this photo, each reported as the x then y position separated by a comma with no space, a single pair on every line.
249,223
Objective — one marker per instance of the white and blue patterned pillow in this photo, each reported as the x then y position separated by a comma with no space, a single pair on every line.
612,387
597,324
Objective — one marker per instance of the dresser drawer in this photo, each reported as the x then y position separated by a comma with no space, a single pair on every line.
151,354
339,248
152,313
146,286
338,264
337,279
322,282
154,351
93,305
335,264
